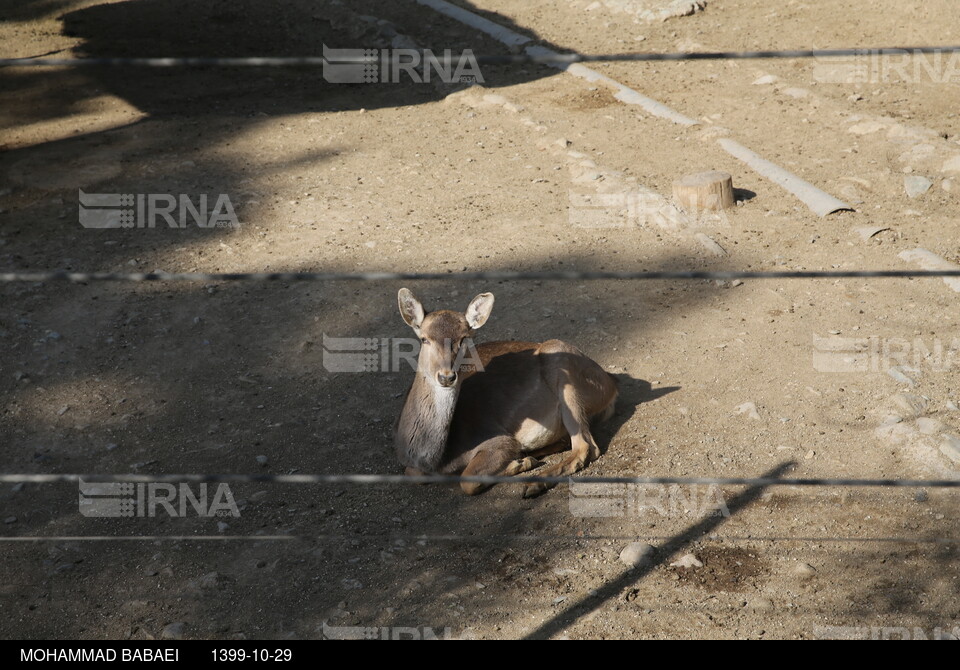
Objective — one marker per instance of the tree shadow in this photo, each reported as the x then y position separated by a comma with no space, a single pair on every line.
205,378
189,388
664,553
185,119
26,10
634,392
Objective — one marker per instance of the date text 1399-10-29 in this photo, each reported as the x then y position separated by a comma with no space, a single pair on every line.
255,655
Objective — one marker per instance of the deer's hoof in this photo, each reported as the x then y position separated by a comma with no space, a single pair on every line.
535,489
473,488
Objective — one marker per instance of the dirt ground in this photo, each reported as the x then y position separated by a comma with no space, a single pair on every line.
206,378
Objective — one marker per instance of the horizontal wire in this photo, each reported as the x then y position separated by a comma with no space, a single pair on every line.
453,537
481,59
457,479
143,538
629,538
496,275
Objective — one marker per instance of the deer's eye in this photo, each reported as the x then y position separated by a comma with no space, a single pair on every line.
424,340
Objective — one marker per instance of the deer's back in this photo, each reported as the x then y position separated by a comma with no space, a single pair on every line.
520,383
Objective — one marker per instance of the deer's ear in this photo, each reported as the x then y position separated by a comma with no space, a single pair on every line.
479,310
410,308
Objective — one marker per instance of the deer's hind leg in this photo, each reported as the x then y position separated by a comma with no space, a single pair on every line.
592,393
583,449
499,456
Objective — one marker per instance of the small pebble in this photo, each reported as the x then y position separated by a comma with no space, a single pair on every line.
263,460
866,128
208,581
897,374
688,561
637,554
912,405
928,426
952,165
173,631
951,448
916,185
10,519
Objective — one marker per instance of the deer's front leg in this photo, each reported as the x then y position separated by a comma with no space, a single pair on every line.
499,456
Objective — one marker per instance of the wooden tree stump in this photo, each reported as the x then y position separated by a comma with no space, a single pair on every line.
704,191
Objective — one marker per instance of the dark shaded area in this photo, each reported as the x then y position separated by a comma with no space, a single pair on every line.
247,379
207,107
207,378
665,552
633,392
26,10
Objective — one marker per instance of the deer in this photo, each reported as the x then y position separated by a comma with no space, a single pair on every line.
511,405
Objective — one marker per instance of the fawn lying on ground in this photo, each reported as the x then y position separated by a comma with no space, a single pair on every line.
513,403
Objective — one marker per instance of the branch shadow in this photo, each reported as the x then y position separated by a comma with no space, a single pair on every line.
667,551
633,392
54,141
227,392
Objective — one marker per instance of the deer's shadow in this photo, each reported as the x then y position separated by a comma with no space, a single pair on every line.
634,392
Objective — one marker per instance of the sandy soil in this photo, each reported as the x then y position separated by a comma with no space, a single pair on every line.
432,177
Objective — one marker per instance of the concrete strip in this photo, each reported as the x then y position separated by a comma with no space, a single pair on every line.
820,202
496,31
622,93
928,260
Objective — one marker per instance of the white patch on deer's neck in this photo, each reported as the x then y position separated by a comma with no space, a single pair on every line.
425,423
445,400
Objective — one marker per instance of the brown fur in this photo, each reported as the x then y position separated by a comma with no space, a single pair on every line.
529,399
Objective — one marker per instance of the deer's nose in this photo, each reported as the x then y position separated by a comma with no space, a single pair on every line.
447,378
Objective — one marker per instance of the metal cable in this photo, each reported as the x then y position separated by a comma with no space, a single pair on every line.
493,275
457,479
482,59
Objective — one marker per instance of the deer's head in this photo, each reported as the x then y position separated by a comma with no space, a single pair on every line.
445,335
